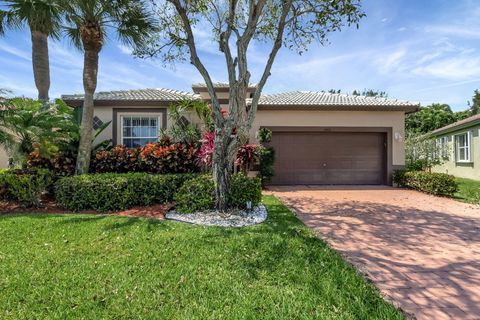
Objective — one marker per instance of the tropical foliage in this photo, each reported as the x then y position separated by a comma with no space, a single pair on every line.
183,130
161,157
30,125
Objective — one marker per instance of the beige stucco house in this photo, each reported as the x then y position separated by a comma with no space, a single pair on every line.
459,148
319,137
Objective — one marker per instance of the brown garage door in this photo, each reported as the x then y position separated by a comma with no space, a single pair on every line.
329,157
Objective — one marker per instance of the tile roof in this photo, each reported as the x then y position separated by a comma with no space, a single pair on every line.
459,124
286,100
159,94
218,85
311,98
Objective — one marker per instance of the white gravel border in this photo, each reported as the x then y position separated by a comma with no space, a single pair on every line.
234,219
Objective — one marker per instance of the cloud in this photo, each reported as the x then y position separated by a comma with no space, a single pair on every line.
402,29
454,68
15,51
125,49
387,63
469,32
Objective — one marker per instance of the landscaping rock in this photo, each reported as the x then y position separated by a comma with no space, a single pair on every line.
235,218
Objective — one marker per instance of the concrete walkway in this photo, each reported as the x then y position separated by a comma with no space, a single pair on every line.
421,251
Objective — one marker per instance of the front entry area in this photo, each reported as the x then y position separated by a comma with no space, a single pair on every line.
329,157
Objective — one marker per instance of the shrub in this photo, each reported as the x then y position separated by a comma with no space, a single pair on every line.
161,157
196,194
431,182
173,158
399,178
59,164
25,186
119,160
267,160
112,192
247,155
199,194
243,189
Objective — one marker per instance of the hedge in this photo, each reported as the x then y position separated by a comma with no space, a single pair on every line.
429,182
25,186
199,193
113,191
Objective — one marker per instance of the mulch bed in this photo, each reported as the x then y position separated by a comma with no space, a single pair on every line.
49,206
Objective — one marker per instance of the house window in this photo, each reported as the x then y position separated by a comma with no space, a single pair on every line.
442,148
139,130
463,147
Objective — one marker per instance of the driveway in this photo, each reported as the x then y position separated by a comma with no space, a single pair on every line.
421,251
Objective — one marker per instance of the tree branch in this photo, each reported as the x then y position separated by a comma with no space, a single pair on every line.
195,59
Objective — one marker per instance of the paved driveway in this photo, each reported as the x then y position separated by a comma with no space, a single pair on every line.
421,251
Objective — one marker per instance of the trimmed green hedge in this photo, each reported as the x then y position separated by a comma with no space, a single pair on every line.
243,189
25,186
113,191
429,182
199,193
196,194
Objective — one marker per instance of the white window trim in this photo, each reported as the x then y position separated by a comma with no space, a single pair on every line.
149,115
443,147
468,147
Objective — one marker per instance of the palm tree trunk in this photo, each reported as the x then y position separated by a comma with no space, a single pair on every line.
90,71
41,66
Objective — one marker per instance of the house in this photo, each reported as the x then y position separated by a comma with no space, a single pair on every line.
459,148
319,137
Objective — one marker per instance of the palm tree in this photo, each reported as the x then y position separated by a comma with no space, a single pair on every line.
43,17
87,25
25,124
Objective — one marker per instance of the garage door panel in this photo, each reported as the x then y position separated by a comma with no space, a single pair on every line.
329,158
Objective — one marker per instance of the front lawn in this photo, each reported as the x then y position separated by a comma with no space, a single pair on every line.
97,267
468,190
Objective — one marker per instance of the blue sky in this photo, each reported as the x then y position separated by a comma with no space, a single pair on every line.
420,50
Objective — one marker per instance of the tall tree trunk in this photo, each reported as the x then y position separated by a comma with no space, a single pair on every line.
90,71
41,67
222,170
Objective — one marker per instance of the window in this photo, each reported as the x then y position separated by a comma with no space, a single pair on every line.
442,148
139,130
462,142
97,123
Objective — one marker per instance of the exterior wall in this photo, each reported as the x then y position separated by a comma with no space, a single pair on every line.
3,159
107,114
379,119
470,170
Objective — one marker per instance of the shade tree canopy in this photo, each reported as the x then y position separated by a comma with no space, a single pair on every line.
233,25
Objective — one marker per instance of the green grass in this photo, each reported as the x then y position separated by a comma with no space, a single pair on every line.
468,190
108,267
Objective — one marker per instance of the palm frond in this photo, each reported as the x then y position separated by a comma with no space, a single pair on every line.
40,15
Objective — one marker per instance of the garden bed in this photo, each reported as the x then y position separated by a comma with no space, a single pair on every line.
49,206
233,218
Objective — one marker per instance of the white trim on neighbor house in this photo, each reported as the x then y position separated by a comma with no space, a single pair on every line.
148,132
463,152
443,147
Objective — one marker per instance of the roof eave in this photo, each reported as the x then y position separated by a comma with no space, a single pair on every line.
338,107
455,128
114,103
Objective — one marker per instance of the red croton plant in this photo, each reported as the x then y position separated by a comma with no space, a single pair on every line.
246,155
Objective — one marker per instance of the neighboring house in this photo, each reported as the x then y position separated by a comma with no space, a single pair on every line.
319,137
459,148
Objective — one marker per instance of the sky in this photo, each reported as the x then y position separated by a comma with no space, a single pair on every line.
418,50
